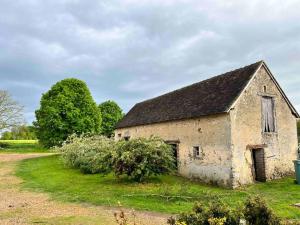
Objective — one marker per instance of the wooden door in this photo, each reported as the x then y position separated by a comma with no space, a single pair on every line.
258,156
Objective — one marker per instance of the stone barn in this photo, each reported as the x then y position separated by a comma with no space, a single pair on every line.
230,130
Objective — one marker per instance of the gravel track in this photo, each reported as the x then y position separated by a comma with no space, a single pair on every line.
24,207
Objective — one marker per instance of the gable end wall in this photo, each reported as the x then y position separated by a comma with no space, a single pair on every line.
246,129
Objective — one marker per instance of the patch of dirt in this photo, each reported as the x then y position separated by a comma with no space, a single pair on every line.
24,207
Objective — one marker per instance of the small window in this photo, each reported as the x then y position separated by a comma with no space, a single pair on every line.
126,138
196,152
268,114
265,89
120,135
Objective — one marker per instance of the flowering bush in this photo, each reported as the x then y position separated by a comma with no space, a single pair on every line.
214,213
90,154
136,158
217,221
142,157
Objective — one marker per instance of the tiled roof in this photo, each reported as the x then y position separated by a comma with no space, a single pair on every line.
212,96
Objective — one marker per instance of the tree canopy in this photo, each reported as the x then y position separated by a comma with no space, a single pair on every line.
22,132
11,113
67,108
111,115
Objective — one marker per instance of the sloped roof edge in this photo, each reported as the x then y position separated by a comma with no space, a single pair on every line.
293,109
212,96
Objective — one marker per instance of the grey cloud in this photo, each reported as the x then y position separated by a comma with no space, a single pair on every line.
135,49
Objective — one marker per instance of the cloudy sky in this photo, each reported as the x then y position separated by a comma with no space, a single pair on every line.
131,50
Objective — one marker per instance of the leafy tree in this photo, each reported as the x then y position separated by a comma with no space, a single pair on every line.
22,132
10,111
7,135
67,108
111,115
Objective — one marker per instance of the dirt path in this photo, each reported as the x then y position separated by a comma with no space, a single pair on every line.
24,207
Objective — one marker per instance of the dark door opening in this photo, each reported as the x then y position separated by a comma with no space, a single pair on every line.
175,153
259,169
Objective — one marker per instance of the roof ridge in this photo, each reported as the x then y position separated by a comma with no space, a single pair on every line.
207,97
202,81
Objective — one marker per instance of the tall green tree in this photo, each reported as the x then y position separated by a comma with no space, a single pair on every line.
67,108
111,115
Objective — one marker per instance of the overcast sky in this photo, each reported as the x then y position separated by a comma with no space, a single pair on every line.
131,50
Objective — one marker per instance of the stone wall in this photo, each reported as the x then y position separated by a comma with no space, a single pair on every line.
226,140
211,133
246,117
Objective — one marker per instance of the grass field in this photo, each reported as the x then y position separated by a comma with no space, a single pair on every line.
48,174
21,146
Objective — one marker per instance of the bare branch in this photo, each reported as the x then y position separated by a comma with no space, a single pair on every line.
11,113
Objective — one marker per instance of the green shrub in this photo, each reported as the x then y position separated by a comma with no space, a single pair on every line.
217,209
256,212
4,145
90,154
136,158
217,221
21,132
216,213
142,157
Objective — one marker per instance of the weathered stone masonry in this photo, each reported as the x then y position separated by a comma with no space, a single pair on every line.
280,147
226,140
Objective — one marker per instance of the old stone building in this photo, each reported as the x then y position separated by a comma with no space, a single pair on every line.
230,130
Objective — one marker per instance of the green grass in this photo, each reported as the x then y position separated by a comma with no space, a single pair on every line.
21,146
48,174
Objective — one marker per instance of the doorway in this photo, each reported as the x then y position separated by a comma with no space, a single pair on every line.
259,168
175,152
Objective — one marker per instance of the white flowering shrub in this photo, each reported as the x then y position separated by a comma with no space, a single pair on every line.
143,157
90,154
137,158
